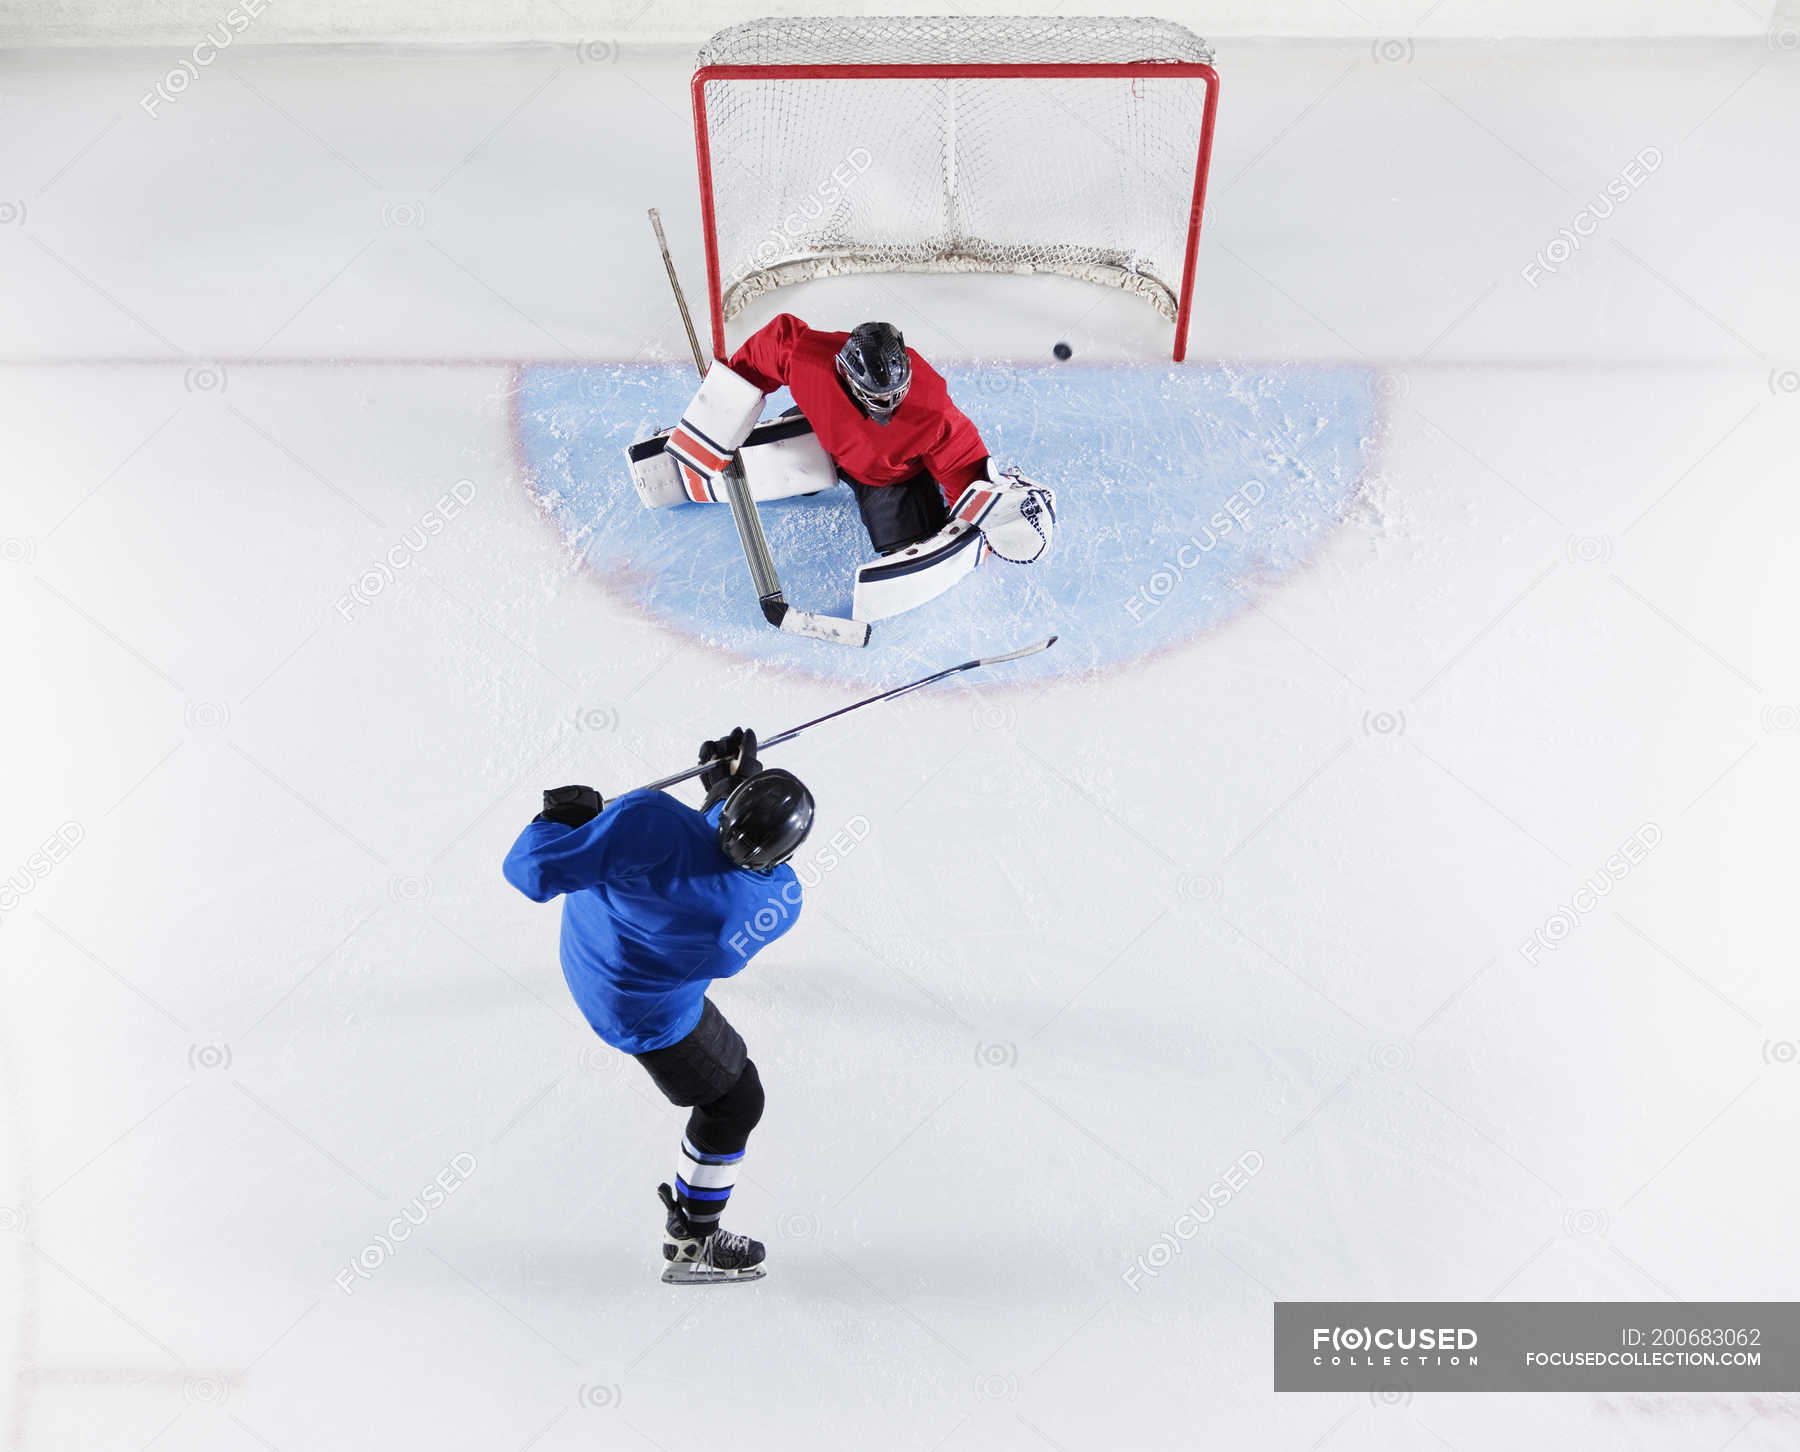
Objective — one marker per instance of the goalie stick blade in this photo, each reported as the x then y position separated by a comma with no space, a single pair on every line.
823,627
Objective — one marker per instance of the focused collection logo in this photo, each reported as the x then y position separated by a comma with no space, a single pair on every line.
1395,1346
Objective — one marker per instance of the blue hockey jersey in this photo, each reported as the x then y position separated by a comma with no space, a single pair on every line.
653,911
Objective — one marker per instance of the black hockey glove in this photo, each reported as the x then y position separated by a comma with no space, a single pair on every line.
735,758
572,806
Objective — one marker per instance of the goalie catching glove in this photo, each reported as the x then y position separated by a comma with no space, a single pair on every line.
1015,516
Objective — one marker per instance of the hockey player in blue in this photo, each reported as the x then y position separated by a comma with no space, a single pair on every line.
658,901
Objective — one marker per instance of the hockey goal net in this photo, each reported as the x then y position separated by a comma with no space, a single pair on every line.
953,144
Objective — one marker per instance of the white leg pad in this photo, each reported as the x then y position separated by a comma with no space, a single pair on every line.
781,458
921,572
656,473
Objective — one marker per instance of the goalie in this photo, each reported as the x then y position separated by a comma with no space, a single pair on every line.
873,414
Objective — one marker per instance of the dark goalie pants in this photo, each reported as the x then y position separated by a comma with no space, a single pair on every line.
709,1071
898,515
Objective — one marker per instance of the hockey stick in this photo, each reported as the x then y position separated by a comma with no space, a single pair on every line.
755,543
687,320
792,732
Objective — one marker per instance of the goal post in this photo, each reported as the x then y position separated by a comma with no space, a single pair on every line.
828,146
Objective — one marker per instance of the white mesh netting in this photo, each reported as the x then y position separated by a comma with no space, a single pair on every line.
1091,177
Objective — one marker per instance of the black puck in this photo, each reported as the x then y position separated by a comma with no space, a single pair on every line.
1063,350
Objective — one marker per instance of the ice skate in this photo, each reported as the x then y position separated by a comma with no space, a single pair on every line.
694,1259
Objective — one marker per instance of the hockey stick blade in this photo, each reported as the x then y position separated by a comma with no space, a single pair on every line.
1014,654
788,735
815,627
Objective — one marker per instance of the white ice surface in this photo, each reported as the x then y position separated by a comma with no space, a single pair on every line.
1106,935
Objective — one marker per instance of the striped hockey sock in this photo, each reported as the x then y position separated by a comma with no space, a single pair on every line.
704,1183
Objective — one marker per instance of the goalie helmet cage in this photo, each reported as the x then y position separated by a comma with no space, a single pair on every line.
953,144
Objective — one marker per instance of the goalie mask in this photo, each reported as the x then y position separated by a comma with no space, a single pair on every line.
875,368
765,819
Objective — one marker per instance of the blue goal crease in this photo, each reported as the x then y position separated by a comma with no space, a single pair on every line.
1177,490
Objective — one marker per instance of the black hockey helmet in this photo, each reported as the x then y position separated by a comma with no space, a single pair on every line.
876,369
765,819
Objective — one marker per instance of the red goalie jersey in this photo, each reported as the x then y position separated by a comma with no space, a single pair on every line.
927,433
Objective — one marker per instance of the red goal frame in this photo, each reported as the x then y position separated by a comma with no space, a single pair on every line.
1125,70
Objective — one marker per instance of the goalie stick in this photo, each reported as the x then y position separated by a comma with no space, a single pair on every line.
792,732
763,577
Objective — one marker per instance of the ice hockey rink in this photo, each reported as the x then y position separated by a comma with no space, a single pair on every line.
1395,902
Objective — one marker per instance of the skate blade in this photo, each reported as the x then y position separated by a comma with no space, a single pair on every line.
691,1275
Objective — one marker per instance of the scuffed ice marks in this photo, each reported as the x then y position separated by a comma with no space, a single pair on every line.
1181,491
